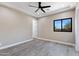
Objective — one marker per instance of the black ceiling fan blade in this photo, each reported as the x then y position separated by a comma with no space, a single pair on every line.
42,10
45,6
37,10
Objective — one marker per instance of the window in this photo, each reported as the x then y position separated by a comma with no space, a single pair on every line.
63,25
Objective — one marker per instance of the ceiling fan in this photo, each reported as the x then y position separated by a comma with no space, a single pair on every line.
40,7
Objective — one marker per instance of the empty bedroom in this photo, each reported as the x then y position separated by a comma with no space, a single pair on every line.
39,29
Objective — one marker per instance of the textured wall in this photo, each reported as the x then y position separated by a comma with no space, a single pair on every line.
45,27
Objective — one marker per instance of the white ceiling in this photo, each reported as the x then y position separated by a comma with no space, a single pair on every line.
55,7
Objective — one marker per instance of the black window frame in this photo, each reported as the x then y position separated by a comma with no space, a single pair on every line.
62,25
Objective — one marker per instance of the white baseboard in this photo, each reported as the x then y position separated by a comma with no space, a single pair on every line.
11,45
55,41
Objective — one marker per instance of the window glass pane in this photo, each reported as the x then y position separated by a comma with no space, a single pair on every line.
66,25
58,25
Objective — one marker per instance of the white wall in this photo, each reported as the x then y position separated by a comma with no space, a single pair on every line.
14,26
45,27
77,27
34,27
